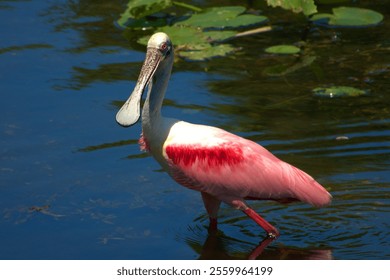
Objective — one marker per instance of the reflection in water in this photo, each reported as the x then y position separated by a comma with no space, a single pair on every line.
108,145
218,246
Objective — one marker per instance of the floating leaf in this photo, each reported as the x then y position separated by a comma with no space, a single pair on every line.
218,36
223,17
246,20
219,15
321,17
283,49
137,9
206,52
338,91
189,36
355,17
330,1
131,23
306,6
350,17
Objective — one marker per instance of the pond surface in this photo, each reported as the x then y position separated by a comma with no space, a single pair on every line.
74,184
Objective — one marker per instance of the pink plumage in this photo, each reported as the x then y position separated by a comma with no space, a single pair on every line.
240,168
227,168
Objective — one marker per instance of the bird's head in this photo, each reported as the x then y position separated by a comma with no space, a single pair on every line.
159,54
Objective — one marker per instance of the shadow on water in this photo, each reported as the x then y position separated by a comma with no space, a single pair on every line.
74,185
217,246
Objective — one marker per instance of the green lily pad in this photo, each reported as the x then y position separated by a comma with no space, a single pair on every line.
187,36
206,52
338,91
350,17
283,49
326,2
142,8
308,7
138,9
218,36
142,23
223,17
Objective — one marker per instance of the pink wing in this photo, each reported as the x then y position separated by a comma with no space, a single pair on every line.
237,168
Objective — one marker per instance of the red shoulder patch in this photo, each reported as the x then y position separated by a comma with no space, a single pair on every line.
212,156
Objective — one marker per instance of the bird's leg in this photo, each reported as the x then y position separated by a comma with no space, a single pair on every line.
213,225
240,204
212,206
272,232
260,248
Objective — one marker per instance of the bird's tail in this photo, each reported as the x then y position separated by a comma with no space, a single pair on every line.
309,190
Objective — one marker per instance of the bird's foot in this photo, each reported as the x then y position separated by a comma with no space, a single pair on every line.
273,234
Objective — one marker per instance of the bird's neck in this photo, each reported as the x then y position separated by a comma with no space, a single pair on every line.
152,121
151,112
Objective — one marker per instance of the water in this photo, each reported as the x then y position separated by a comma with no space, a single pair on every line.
74,185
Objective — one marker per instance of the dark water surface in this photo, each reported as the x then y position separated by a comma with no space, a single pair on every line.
74,185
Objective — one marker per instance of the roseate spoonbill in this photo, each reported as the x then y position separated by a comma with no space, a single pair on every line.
222,166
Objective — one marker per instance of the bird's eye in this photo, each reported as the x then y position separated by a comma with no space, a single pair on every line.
164,47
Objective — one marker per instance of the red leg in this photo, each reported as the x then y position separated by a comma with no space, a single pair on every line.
260,248
270,229
213,226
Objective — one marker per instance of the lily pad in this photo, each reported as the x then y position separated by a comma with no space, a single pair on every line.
338,91
223,17
141,8
350,17
131,23
188,37
207,52
326,2
283,49
308,7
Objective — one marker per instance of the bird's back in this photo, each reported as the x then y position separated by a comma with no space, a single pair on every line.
229,167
